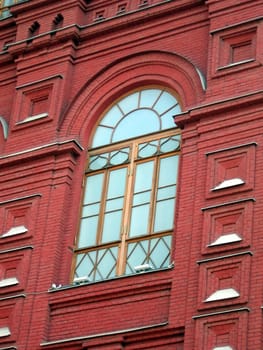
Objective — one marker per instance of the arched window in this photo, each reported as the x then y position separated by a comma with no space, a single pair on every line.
127,215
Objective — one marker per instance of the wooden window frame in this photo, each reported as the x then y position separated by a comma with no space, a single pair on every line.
125,240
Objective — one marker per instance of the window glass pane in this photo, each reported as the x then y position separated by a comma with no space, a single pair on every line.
142,191
164,215
117,183
166,192
143,177
99,161
149,97
167,118
106,263
141,198
168,171
160,251
112,117
81,266
129,103
148,149
114,204
112,226
165,102
169,144
139,122
93,189
8,2
119,157
88,231
139,220
90,210
136,255
102,136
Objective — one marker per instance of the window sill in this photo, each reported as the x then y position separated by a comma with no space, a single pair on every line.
134,275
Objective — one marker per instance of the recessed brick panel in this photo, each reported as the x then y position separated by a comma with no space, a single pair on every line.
18,219
234,48
227,226
227,331
36,102
14,267
10,317
230,170
224,281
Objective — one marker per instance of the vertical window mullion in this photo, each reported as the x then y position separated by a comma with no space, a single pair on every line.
154,195
102,207
127,212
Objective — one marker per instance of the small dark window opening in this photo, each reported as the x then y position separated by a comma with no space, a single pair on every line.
143,3
121,9
57,22
99,16
34,29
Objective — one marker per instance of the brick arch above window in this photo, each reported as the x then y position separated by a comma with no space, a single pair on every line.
147,68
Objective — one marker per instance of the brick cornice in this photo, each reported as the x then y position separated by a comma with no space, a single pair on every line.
68,146
219,106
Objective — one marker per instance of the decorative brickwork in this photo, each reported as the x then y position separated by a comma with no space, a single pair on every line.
69,67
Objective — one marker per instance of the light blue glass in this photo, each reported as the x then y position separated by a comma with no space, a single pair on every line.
99,161
86,267
169,144
119,157
141,198
93,189
168,120
139,122
117,183
149,97
114,204
148,149
136,255
81,263
139,220
166,192
88,232
143,177
129,103
112,117
164,215
102,136
165,102
168,171
112,226
137,114
90,210
9,2
106,261
160,251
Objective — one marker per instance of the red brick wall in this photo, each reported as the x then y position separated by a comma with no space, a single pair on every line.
54,86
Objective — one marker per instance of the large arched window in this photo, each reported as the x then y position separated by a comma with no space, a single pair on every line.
127,215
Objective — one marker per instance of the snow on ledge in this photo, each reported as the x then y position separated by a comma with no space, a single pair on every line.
17,230
229,183
7,282
223,294
225,239
4,332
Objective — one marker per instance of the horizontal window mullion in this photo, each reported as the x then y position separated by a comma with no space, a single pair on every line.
149,237
97,247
